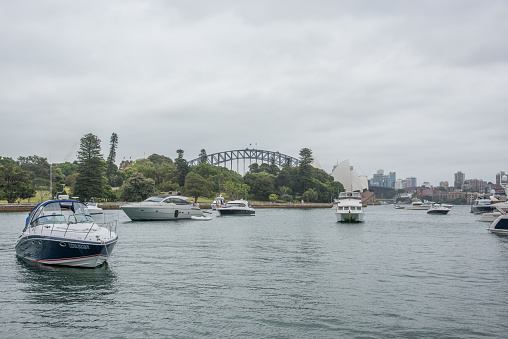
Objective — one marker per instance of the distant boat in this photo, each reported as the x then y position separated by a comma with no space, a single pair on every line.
349,207
482,204
419,205
438,209
218,202
236,207
95,211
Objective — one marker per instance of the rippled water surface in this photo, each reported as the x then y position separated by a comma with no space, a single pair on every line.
283,273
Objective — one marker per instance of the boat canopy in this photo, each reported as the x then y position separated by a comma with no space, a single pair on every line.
53,208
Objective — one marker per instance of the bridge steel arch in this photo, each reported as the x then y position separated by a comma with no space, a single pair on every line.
223,158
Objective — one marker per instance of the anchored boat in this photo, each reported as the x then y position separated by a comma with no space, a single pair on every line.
62,232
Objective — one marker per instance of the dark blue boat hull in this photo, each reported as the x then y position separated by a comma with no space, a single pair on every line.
61,251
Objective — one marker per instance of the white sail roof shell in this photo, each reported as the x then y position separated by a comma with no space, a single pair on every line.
349,178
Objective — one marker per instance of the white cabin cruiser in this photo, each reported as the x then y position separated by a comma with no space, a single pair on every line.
218,202
438,209
62,232
482,204
349,207
236,207
419,205
162,207
95,211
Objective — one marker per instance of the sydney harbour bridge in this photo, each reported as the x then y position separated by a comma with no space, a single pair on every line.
252,155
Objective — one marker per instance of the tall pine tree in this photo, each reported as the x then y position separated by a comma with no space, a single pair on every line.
111,167
90,180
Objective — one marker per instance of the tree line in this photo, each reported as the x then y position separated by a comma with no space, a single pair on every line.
91,176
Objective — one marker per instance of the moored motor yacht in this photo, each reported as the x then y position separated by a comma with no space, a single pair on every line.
162,207
482,204
500,225
419,205
236,207
438,209
349,207
62,232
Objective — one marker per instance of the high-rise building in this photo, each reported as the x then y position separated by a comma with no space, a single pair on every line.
411,182
460,178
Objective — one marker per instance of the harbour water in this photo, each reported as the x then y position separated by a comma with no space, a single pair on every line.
289,273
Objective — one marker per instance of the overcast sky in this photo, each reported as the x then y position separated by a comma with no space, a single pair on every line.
415,87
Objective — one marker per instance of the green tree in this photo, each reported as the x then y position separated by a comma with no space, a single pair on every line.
203,157
261,185
286,197
196,186
90,180
6,160
137,188
182,167
164,174
305,168
236,190
111,166
254,168
159,159
273,197
35,166
67,168
15,183
310,195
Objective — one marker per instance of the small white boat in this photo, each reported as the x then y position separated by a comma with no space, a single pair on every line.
349,207
236,207
438,209
62,232
95,211
162,207
418,205
218,202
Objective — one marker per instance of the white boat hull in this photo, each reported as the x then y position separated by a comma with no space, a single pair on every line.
349,216
160,212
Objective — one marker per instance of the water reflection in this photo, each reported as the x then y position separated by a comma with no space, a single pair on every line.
60,284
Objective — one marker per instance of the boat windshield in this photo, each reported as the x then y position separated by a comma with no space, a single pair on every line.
176,201
236,204
350,195
58,212
155,199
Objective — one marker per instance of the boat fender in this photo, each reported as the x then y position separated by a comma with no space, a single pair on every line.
176,213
